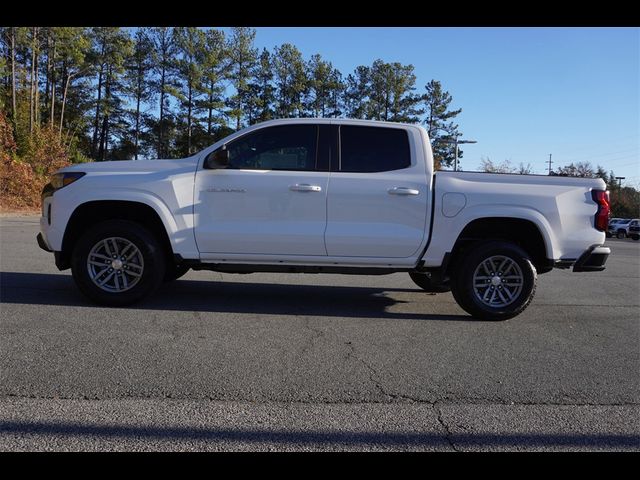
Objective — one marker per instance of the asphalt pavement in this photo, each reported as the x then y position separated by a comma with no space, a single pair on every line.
314,362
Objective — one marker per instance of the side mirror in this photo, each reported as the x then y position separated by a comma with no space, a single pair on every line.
217,159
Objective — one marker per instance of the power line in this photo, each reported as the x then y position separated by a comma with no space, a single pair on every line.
612,140
624,149
637,162
605,162
589,157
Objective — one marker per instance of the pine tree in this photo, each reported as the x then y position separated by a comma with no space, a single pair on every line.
405,105
33,87
390,92
164,54
291,81
138,83
356,94
260,105
112,46
442,130
74,48
242,57
320,85
214,66
18,55
336,93
5,68
190,43
380,90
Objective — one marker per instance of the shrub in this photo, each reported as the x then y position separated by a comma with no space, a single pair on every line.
22,178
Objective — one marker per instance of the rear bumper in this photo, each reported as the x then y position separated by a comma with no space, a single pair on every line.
593,259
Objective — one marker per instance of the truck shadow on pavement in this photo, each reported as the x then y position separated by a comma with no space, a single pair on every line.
235,297
229,438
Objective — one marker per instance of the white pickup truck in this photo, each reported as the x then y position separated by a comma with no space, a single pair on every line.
321,196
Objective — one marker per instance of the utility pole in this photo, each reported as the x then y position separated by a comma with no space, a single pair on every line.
457,142
550,162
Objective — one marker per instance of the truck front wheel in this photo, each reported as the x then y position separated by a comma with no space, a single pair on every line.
117,262
494,280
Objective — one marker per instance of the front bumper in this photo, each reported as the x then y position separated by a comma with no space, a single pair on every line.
62,262
42,244
593,259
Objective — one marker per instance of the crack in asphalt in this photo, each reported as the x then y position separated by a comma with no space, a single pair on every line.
443,424
316,334
376,382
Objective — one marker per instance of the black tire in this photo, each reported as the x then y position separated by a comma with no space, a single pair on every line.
470,264
635,236
150,251
621,234
174,272
424,281
608,234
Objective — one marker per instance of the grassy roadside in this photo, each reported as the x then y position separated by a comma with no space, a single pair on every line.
19,212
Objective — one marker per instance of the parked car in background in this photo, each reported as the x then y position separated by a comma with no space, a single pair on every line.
610,228
617,227
633,230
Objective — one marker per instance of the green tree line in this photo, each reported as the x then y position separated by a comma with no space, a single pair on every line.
114,93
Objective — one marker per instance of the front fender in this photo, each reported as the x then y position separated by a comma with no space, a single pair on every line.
176,219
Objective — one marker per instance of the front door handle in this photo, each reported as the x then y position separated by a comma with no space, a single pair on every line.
305,187
403,191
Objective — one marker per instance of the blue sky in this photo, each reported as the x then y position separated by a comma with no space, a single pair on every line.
524,92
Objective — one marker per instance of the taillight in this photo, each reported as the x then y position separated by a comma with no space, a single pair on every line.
601,197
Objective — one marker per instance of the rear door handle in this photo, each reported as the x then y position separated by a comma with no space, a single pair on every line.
305,187
403,191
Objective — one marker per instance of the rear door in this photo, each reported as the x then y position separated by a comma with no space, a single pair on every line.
377,196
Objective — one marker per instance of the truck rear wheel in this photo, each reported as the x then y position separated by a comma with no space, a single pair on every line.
494,280
117,262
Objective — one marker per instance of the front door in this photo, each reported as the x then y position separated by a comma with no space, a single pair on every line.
270,200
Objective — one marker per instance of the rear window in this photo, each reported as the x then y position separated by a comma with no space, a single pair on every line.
373,149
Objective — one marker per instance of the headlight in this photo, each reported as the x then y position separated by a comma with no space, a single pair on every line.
60,180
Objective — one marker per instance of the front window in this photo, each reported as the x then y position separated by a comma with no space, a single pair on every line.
287,147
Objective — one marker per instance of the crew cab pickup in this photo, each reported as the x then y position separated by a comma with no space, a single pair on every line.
322,196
